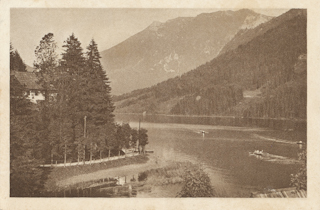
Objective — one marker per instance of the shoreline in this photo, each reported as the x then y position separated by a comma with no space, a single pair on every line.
60,177
119,171
153,179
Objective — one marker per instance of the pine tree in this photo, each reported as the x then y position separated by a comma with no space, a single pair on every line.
95,98
73,60
73,68
12,55
98,88
16,62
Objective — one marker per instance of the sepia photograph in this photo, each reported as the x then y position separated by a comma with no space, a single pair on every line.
141,104
158,103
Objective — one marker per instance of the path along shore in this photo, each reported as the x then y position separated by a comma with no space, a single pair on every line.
127,170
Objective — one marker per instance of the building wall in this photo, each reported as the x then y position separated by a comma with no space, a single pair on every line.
35,95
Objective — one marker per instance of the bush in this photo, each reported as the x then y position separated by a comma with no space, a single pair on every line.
142,176
196,184
299,180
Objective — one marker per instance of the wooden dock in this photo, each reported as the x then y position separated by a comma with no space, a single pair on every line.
281,193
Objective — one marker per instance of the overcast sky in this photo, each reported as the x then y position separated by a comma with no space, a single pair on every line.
107,26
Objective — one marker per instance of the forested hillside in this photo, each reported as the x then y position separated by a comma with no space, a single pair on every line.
272,63
247,34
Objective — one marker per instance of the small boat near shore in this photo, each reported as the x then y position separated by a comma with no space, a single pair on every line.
257,152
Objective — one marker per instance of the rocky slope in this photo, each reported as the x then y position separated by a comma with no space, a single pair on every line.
166,50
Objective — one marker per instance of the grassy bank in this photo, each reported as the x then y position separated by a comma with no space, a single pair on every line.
178,179
168,180
61,173
171,174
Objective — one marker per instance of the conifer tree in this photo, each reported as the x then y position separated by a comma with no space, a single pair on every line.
12,55
16,62
96,98
73,60
73,66
99,88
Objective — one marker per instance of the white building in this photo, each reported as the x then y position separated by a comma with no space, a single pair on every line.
29,80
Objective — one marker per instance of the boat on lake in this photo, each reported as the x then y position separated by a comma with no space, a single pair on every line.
257,152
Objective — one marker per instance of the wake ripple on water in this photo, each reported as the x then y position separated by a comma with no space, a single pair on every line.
276,158
274,140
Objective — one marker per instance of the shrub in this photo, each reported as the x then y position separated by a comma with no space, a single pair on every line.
142,176
299,180
196,184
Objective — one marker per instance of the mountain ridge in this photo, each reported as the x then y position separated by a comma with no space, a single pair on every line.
269,65
245,35
165,50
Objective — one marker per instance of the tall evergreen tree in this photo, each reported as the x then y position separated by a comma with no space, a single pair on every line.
99,88
73,60
16,62
12,54
73,66
96,98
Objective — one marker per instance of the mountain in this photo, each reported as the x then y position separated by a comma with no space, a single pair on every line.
165,50
245,34
261,77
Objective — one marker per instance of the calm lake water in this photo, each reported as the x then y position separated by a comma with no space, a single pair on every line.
224,152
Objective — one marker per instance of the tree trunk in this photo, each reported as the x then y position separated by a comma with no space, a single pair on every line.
51,157
65,154
78,155
139,138
90,152
143,149
100,157
109,154
84,155
84,135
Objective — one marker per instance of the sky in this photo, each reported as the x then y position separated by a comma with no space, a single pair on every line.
108,26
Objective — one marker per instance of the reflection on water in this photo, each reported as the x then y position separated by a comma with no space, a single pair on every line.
224,153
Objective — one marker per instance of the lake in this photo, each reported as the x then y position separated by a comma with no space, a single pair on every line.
224,151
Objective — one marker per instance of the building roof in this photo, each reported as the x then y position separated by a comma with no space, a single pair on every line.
29,79
281,193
